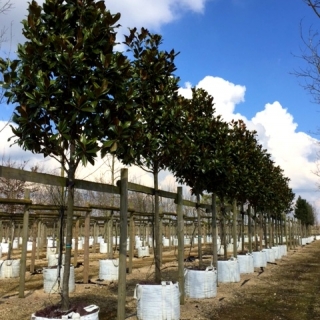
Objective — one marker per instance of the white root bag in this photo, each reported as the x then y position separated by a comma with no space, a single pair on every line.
9,268
229,271
158,302
200,284
143,252
50,279
109,269
270,254
259,259
246,263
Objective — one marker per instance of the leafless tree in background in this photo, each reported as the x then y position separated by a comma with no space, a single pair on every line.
309,73
5,7
14,189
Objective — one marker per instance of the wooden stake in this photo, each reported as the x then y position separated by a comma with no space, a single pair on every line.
214,232
86,248
131,243
34,244
180,244
38,240
23,259
76,242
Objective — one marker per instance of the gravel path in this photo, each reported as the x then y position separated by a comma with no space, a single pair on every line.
289,290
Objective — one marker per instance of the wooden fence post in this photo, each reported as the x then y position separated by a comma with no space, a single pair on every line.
34,245
110,237
169,234
86,248
180,244
40,235
160,243
121,312
23,259
1,230
76,242
234,229
131,242
214,232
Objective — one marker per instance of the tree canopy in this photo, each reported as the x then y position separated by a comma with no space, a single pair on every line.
304,212
70,89
156,88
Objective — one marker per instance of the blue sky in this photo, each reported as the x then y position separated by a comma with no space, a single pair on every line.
243,52
252,43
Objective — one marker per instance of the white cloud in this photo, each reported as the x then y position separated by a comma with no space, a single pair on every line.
168,182
151,14
226,95
9,150
101,171
186,90
294,151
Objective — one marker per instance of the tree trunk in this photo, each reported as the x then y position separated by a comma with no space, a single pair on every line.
234,229
249,229
199,230
157,234
224,238
121,310
70,203
261,231
242,228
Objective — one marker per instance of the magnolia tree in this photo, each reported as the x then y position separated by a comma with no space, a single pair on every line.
156,86
70,90
201,147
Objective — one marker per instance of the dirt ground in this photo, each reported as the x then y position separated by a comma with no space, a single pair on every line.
288,289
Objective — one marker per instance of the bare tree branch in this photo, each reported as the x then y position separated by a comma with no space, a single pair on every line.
5,6
315,5
310,74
